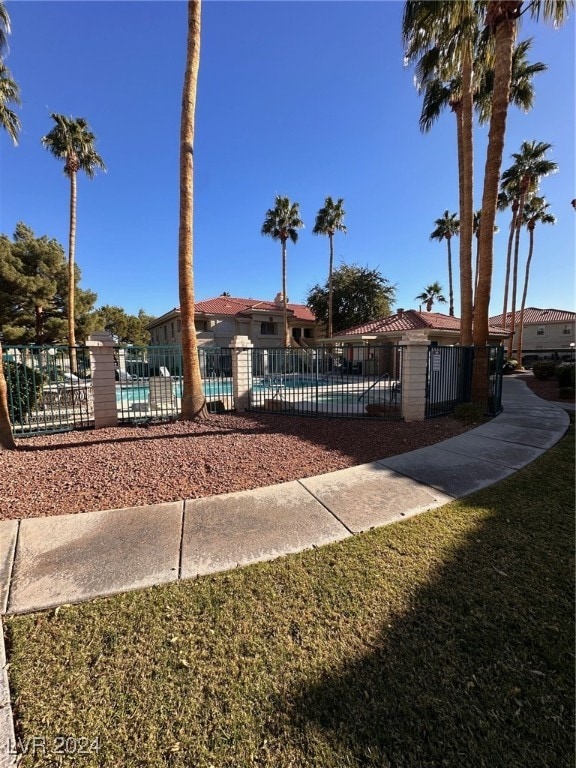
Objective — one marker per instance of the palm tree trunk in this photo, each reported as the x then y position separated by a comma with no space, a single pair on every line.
451,292
72,273
505,27
509,262
330,267
193,400
466,207
284,302
6,437
476,272
515,272
524,295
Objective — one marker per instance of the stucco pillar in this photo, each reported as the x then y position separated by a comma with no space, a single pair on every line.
414,368
101,346
241,347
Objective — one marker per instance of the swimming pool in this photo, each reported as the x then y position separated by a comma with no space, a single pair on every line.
127,395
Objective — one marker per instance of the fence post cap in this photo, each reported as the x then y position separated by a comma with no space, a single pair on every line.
240,342
100,339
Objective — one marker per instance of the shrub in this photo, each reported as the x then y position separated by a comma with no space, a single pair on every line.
565,375
567,393
24,385
544,369
469,412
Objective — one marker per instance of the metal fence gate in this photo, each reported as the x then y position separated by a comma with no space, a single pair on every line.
449,379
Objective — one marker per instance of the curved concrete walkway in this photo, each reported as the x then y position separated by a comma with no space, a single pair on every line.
45,562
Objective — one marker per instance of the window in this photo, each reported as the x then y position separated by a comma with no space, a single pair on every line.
172,328
179,325
307,333
566,330
268,329
165,333
540,330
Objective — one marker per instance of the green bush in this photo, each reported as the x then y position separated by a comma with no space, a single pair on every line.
567,393
544,369
565,375
469,412
24,386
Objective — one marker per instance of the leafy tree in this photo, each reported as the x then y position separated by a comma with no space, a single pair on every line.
72,141
360,294
446,228
33,290
193,400
282,223
329,220
128,329
9,122
431,293
535,211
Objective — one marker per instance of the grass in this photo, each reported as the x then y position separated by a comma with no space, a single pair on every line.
446,640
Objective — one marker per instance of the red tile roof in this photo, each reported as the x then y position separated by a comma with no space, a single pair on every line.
232,305
533,315
411,320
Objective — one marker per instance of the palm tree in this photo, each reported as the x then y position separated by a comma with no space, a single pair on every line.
446,228
535,210
530,165
72,141
193,400
329,220
502,21
9,94
431,293
441,37
282,223
476,230
9,121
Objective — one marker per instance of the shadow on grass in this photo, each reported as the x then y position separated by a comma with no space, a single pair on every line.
479,671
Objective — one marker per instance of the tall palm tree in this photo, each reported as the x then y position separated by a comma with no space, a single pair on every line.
329,220
72,141
282,223
502,20
9,121
441,37
446,228
476,230
535,211
193,400
530,165
431,293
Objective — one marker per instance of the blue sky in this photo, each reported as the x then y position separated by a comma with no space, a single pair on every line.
304,99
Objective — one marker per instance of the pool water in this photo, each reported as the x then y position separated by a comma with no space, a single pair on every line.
126,395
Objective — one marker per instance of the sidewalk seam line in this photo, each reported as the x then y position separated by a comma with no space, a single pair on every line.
181,547
12,566
334,515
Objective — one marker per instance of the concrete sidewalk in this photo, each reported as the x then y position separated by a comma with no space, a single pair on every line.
45,562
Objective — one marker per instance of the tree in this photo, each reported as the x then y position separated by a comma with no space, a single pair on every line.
8,94
34,289
282,223
72,141
535,211
502,21
431,293
359,295
193,400
446,228
128,329
523,178
329,220
476,231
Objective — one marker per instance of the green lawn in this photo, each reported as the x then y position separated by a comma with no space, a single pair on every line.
445,640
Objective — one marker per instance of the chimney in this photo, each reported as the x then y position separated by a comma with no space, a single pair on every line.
400,312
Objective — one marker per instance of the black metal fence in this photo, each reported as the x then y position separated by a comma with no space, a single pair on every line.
449,379
349,381
49,388
149,381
